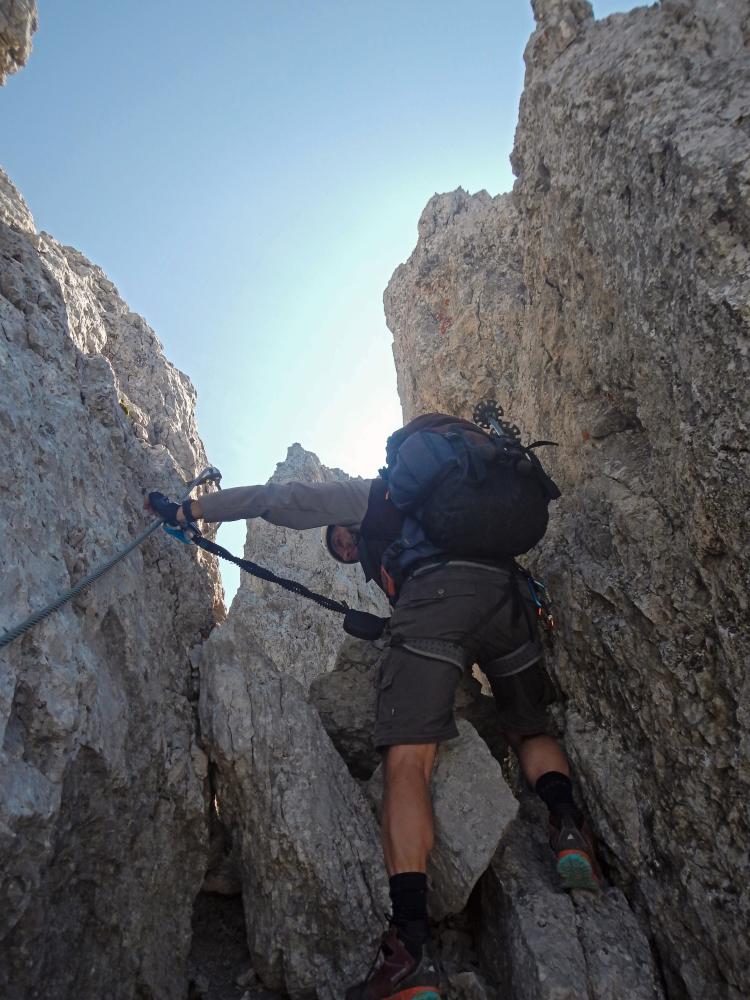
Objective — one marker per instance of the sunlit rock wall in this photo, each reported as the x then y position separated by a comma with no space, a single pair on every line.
18,22
300,637
606,303
102,783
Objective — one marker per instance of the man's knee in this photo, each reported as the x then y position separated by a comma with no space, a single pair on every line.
410,756
518,740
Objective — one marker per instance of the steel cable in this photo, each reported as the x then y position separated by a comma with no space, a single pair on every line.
11,634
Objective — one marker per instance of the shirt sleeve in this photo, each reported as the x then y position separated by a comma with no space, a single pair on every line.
292,505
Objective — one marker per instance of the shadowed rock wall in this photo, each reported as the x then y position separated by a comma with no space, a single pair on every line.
606,303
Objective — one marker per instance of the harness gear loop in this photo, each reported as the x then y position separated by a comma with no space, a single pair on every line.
542,600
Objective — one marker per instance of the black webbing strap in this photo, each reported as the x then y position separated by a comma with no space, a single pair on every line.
265,574
361,624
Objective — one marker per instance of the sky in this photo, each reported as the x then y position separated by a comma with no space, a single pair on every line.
249,174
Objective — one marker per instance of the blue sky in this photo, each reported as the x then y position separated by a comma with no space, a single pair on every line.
251,173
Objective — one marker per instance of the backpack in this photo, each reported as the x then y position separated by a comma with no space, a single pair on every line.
473,493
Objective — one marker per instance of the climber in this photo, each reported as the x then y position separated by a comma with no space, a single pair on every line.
448,614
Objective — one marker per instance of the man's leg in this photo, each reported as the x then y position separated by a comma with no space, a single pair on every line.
416,688
407,827
407,836
522,698
538,755
545,767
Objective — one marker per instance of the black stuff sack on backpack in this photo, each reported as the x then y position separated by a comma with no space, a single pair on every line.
474,493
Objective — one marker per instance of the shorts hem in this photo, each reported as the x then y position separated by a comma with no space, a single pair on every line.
544,728
401,740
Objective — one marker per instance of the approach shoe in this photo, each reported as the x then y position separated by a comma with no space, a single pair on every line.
399,976
576,861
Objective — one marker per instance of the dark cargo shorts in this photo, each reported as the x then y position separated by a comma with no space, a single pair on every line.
446,619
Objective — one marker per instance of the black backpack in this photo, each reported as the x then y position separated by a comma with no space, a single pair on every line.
475,493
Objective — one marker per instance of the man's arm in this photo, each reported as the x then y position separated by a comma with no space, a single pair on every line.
290,505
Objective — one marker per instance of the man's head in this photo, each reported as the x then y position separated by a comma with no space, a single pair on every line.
342,543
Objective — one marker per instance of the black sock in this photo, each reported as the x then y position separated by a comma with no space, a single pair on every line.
556,792
409,902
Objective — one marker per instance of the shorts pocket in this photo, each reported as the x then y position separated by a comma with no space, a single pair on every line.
387,673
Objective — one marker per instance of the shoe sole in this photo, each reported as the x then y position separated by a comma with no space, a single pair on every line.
576,871
418,993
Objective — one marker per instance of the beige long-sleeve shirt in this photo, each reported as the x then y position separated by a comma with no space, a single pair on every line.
292,505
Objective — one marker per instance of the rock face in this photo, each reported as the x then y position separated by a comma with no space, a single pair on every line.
314,886
457,300
301,638
18,22
606,302
13,209
346,700
544,944
102,783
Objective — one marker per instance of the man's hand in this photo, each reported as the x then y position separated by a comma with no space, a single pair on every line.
163,507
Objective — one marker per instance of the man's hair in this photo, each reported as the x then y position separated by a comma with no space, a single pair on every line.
327,540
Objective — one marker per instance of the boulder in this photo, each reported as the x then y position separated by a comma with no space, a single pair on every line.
300,637
346,700
542,943
313,881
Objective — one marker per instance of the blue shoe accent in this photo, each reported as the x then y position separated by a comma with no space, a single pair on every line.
576,871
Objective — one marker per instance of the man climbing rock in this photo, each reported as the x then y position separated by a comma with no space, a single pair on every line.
437,531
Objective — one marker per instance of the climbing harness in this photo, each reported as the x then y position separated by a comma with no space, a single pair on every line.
209,475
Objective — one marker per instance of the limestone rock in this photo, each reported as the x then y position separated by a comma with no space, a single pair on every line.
544,944
346,701
14,211
301,638
606,303
314,885
18,22
102,783
472,806
559,24
459,295
468,986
